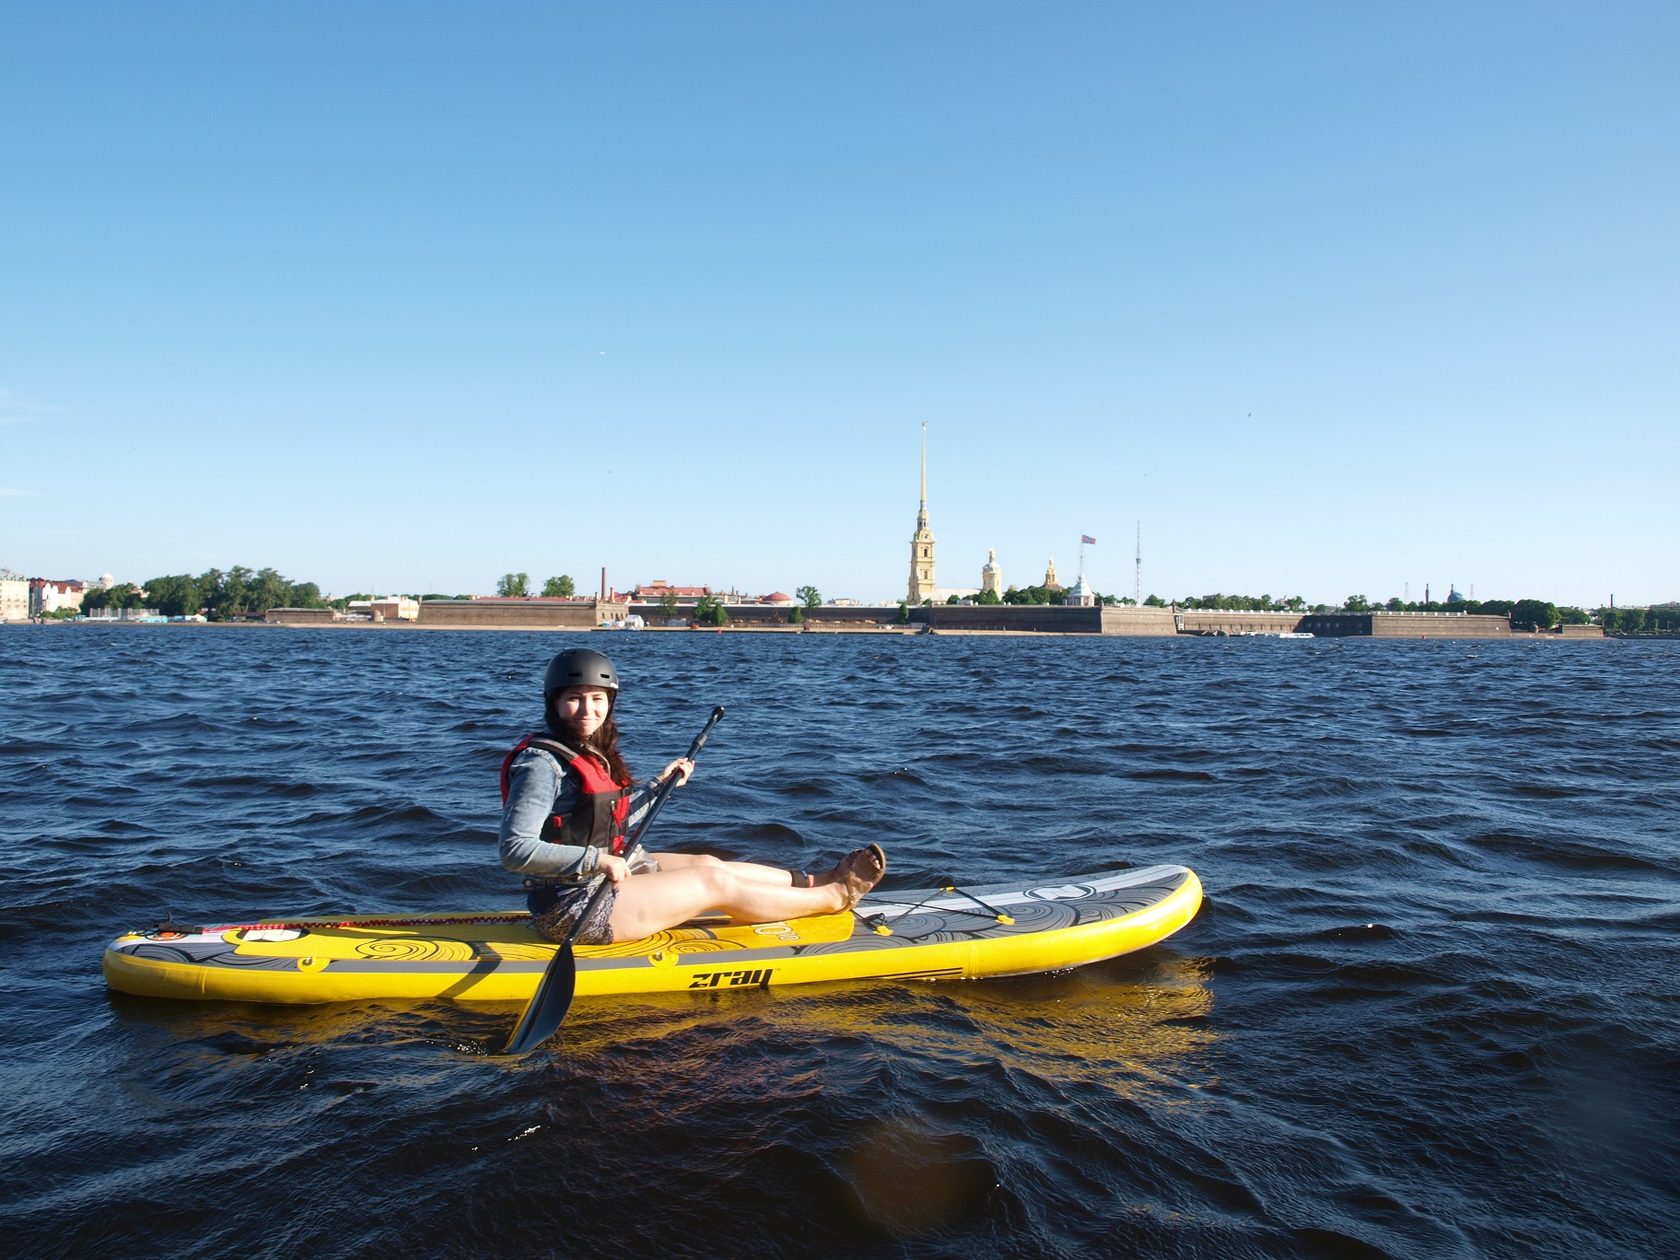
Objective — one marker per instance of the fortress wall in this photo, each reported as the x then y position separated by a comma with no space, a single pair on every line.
1334,625
1119,620
857,615
1128,619
741,614
1222,621
532,614
300,616
826,616
1438,626
1383,625
1034,618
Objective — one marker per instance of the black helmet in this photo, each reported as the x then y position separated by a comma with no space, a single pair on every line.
579,667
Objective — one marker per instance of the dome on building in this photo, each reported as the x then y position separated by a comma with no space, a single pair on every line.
776,597
1080,593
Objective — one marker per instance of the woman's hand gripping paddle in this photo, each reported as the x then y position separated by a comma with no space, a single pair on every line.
553,998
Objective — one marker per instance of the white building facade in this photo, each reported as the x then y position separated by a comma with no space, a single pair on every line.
14,599
47,596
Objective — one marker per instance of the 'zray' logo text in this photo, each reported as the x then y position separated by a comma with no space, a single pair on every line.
731,979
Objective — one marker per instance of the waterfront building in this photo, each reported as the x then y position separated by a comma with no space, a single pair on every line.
49,596
921,543
1050,582
991,577
14,598
658,589
392,608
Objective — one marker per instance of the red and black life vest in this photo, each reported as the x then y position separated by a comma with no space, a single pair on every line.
603,804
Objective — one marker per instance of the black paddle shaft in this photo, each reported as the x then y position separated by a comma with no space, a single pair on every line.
664,789
548,1005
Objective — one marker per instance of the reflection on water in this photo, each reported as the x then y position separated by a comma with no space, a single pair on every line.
916,1100
1137,1024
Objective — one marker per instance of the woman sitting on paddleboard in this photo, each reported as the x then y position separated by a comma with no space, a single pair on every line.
569,802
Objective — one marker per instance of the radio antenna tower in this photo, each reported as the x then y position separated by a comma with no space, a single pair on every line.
1137,586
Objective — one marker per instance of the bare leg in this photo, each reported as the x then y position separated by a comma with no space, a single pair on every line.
773,875
650,903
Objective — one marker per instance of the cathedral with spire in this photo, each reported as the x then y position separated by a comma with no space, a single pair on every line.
921,543
923,585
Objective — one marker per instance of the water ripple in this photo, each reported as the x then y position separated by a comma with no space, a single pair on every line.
1429,998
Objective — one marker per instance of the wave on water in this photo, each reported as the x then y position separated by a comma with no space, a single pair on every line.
1428,1007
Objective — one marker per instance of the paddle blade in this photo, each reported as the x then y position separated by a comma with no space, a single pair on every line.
548,1005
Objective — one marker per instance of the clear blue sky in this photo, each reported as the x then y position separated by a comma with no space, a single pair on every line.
1333,298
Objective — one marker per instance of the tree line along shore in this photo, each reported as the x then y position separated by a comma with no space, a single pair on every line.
239,593
244,595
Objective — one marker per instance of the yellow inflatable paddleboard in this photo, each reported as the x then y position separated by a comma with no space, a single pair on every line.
948,934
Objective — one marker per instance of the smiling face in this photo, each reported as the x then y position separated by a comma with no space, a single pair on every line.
583,709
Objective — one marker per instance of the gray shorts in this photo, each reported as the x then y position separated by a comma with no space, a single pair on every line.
556,911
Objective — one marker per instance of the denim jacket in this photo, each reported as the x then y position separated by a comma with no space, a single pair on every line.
539,787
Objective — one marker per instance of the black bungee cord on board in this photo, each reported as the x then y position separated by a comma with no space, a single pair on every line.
878,922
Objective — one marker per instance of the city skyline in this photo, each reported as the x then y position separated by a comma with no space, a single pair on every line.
391,299
921,562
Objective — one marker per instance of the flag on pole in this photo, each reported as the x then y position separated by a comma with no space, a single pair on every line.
1086,538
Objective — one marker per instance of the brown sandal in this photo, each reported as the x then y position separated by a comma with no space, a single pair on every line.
860,870
836,874
833,875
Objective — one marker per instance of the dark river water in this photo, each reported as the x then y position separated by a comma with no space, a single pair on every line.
1431,1006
